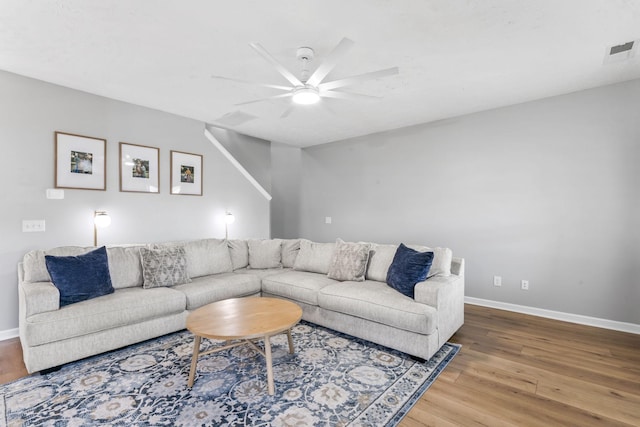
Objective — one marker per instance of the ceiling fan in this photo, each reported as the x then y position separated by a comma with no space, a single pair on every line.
309,88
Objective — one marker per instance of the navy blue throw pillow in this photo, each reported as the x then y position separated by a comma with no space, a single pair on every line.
408,268
82,277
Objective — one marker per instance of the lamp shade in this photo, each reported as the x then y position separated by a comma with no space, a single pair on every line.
229,218
101,219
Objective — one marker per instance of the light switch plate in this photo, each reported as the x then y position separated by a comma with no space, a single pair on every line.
33,225
55,193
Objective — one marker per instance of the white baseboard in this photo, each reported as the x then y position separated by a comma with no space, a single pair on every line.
8,334
557,315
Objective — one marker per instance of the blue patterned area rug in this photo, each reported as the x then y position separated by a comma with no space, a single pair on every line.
332,380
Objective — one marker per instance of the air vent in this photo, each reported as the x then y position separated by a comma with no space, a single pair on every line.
621,48
621,52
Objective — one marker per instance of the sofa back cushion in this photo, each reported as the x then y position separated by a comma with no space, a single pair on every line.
442,258
265,253
239,250
314,257
35,268
380,259
207,256
125,266
290,249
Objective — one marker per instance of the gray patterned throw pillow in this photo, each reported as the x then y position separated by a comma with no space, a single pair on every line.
164,267
349,261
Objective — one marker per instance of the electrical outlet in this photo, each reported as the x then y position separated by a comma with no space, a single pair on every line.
497,281
524,285
327,220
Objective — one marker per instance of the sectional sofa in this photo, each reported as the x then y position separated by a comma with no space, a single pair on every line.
339,285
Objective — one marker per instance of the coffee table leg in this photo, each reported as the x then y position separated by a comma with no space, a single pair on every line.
267,355
291,349
194,360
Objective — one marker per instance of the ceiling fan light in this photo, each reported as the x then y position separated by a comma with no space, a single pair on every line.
306,96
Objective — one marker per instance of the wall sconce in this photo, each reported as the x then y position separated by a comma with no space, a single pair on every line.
228,219
101,219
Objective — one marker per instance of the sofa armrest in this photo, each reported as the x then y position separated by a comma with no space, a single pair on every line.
446,295
37,297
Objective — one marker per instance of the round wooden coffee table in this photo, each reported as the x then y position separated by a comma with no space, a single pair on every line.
245,319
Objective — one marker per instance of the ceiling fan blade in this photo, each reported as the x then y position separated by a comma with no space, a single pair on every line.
346,95
279,67
284,95
330,62
358,79
252,83
231,120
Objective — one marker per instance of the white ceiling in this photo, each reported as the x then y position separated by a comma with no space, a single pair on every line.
455,57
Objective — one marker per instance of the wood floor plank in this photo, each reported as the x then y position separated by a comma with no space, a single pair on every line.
446,405
525,407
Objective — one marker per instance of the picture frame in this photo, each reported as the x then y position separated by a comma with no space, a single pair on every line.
80,162
186,173
139,168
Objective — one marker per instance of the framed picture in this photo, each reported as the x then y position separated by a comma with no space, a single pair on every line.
139,168
80,162
186,173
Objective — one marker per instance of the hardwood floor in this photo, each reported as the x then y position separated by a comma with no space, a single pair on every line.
513,370
519,370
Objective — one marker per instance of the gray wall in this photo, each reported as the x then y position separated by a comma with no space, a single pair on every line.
253,154
546,191
30,112
285,206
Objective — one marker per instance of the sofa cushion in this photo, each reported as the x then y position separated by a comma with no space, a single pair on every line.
408,268
265,253
125,266
165,266
123,307
239,250
314,257
81,277
296,285
377,302
208,289
207,256
442,257
290,249
349,261
380,258
35,268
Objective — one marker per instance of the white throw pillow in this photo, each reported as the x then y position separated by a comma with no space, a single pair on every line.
349,261
164,267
